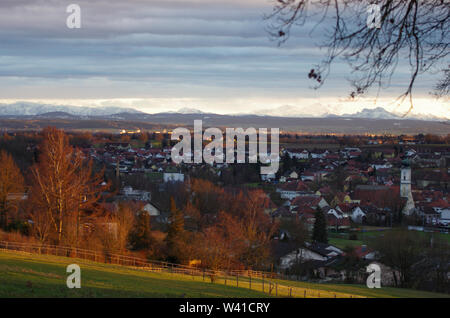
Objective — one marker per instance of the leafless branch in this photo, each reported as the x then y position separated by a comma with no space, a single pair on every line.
416,31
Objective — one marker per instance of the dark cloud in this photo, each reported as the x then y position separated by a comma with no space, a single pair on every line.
178,47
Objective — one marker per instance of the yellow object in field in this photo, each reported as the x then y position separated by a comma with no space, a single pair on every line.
195,262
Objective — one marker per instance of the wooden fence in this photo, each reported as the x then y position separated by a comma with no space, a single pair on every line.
256,280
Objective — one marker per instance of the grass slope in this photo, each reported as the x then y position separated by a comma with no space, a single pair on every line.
31,275
23,275
361,290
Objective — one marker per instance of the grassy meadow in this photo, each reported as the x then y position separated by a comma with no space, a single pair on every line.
33,275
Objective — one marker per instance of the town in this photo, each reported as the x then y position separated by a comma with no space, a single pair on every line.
184,151
336,204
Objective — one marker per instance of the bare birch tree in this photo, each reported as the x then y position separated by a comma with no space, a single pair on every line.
64,186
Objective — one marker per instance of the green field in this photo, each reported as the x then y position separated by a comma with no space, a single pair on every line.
32,275
343,243
361,290
24,275
341,240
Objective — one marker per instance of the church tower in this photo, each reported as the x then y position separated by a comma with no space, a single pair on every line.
405,182
405,189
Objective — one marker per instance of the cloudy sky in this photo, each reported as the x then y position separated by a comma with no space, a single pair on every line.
163,55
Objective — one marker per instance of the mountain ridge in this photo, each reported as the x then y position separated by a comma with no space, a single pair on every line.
23,109
34,109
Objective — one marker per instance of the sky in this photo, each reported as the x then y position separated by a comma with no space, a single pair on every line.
164,55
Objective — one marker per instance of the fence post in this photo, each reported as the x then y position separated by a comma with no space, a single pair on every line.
174,268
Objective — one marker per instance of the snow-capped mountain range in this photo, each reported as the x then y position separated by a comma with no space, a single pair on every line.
376,113
36,109
33,109
381,113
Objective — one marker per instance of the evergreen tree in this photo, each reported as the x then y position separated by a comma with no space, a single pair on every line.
175,233
320,228
287,163
140,237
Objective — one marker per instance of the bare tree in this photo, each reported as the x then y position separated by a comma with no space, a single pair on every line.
258,228
443,86
416,30
113,229
63,185
224,243
124,219
409,248
42,227
11,186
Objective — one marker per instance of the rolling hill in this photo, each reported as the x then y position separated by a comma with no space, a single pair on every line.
33,275
26,275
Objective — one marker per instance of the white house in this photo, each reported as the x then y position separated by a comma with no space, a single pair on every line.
357,215
151,209
319,154
311,252
445,217
268,177
173,177
347,150
308,176
384,165
293,175
410,153
160,156
336,214
288,194
134,194
304,154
